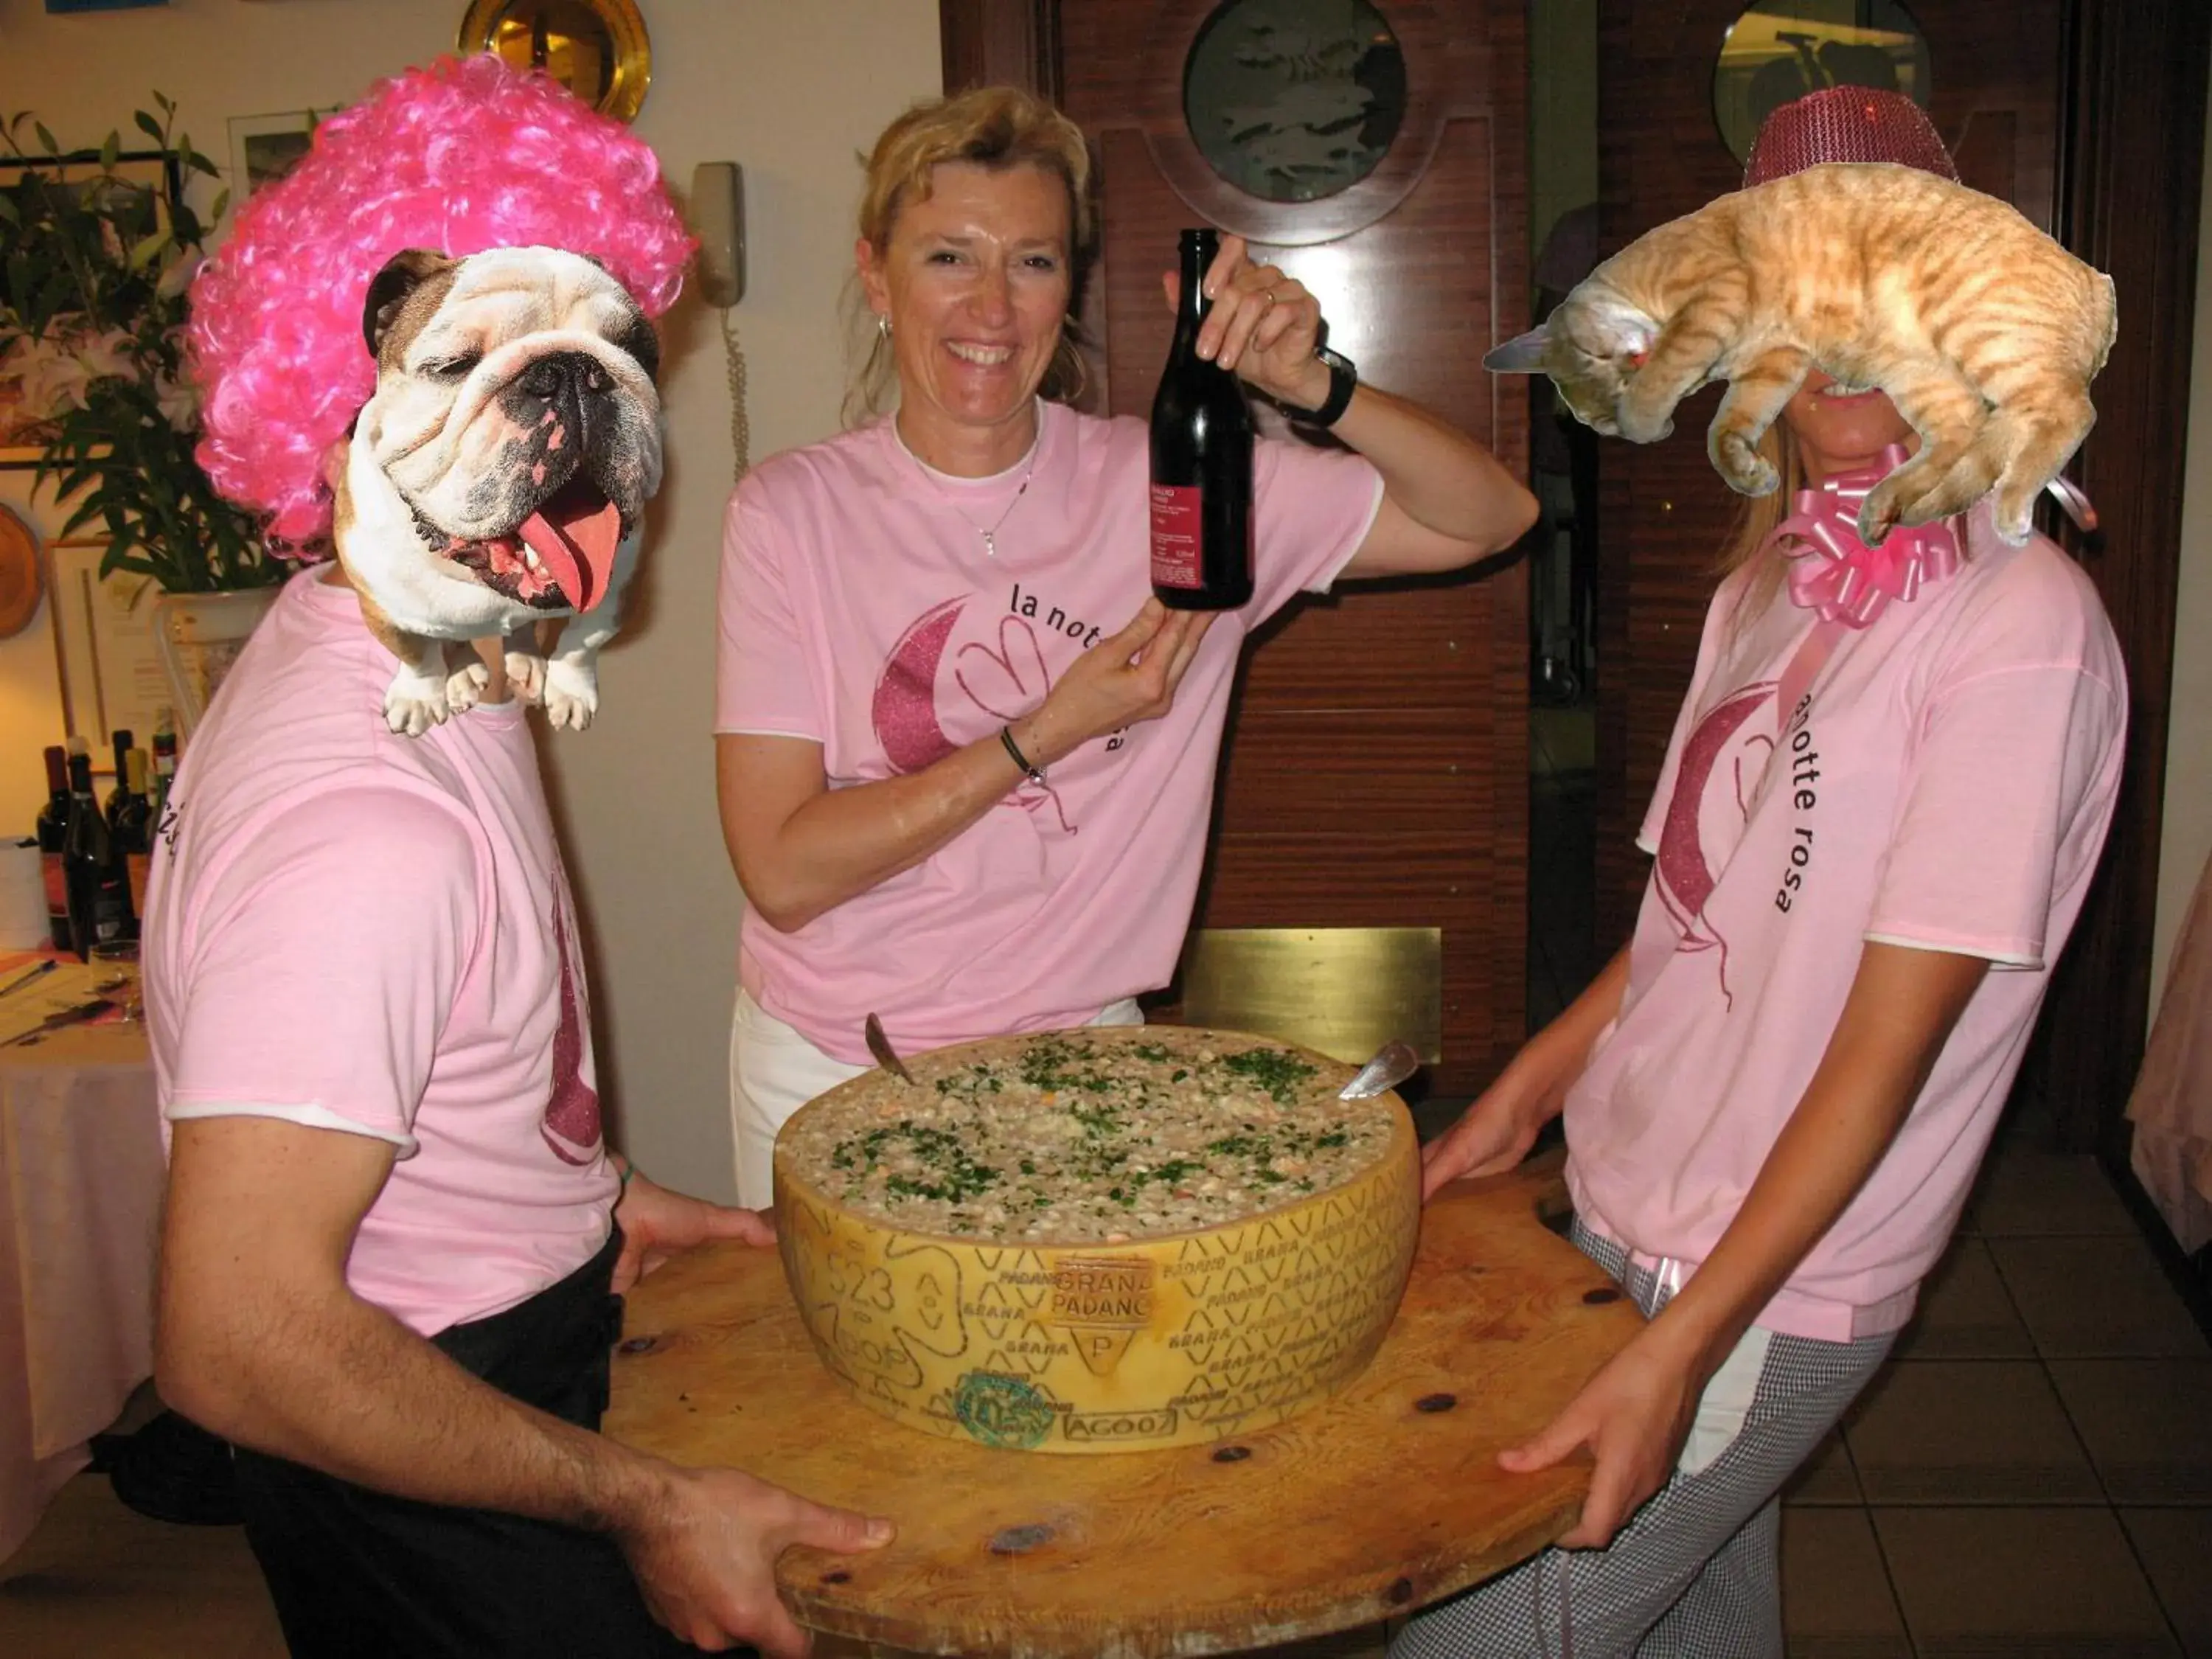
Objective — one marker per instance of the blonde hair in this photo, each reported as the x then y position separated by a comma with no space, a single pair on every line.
997,128
1757,517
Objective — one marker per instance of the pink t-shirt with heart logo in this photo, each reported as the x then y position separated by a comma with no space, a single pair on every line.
1945,783
861,609
374,935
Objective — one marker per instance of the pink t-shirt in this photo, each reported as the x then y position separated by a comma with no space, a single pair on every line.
860,611
1946,783
373,935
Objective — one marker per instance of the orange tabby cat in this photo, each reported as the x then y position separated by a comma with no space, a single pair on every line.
1984,332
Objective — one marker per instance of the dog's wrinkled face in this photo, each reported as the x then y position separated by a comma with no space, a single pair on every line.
515,415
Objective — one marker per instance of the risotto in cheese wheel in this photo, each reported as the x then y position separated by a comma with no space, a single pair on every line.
1098,1240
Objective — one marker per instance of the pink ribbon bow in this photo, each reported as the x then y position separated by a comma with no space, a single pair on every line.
1832,571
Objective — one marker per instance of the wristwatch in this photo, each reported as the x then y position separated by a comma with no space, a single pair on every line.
1343,381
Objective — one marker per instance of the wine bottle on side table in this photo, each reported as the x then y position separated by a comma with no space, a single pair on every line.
122,740
53,826
98,885
165,770
133,827
1201,473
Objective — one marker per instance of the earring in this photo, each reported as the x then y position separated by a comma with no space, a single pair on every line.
882,326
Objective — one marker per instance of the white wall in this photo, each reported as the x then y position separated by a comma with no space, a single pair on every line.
792,91
2187,835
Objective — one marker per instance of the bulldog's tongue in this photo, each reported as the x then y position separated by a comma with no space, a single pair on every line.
574,535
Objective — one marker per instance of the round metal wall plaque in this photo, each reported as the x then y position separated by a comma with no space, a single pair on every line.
1290,100
596,48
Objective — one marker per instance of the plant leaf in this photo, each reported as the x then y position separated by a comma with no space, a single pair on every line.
46,138
148,125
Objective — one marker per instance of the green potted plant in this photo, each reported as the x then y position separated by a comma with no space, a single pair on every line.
97,249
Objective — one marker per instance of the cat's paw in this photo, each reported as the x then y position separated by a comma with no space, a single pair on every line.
415,702
572,693
1740,465
465,687
525,672
1642,427
1879,512
2015,513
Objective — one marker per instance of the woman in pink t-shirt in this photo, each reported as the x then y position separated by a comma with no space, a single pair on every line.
1876,822
966,761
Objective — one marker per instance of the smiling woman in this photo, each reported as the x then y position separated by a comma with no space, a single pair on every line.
966,761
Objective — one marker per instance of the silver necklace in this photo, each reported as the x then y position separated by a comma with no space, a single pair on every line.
991,536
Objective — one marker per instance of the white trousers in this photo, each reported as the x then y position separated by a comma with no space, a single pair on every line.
775,1070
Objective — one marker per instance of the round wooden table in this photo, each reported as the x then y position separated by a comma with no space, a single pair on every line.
1383,1500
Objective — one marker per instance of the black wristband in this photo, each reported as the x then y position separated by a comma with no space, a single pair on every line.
1343,381
1034,774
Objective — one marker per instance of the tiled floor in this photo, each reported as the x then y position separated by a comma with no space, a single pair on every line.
2030,1477
2031,1473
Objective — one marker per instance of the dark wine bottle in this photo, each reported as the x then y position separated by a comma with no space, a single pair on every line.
165,770
1201,505
122,741
133,827
98,885
53,826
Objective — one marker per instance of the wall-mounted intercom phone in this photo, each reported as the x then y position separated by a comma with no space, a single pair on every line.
718,219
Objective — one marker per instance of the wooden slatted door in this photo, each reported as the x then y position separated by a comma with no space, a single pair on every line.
1376,774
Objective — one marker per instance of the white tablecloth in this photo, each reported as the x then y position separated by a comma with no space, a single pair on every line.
80,1178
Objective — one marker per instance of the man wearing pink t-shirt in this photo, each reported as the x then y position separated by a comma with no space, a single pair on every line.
396,1240
396,1237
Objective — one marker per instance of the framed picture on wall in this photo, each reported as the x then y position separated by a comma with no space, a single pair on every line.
101,5
264,148
33,375
104,649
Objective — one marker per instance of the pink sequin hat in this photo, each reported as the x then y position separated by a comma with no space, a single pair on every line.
1846,123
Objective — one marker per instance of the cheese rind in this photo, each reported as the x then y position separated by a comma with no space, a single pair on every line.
1170,1339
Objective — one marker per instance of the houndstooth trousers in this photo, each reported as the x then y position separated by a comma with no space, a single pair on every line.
1696,1573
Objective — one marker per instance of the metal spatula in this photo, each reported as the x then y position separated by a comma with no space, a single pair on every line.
1392,1063
880,1047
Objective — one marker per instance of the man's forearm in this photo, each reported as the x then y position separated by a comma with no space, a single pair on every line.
343,1388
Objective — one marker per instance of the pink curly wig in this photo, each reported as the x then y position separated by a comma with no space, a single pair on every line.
465,155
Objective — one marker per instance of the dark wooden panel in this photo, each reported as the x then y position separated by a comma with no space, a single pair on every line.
1368,774
1000,43
1663,515
2134,172
1432,648
1420,270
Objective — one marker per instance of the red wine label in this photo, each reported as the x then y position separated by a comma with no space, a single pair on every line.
50,866
1175,551
139,865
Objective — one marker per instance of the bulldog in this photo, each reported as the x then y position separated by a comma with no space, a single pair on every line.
498,476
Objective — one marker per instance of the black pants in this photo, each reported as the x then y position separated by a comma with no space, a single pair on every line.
358,1575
